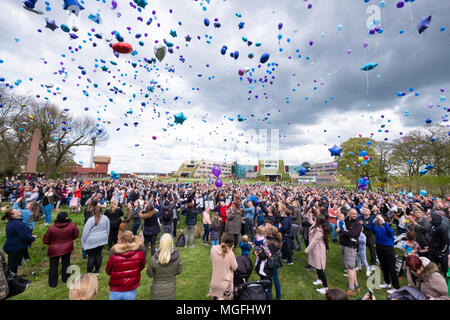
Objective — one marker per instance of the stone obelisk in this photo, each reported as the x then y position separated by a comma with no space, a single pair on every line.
34,152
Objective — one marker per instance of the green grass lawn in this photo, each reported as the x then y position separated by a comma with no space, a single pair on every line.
192,283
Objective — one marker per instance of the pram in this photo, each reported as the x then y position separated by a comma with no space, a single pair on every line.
398,242
253,290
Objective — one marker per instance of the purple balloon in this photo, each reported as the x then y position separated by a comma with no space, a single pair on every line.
114,4
216,170
218,183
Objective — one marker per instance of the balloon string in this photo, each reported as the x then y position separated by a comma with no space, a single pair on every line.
367,81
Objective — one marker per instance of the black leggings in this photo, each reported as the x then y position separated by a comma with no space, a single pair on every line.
15,259
322,277
94,259
152,241
386,256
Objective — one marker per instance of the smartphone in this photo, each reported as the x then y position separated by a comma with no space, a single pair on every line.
370,294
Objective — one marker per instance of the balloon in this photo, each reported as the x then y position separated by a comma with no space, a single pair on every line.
369,66
423,192
73,5
360,159
424,171
302,171
364,162
400,4
335,151
114,4
223,50
280,25
423,24
241,72
180,118
218,183
216,170
428,121
363,153
51,24
264,58
366,158
236,54
241,25
335,164
122,47
340,27
160,52
141,3
154,137
206,22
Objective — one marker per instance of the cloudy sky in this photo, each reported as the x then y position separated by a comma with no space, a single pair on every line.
310,95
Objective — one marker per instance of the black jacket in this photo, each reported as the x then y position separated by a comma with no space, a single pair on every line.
439,236
354,228
114,217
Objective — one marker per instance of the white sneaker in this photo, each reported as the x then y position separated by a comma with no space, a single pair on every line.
385,286
317,282
322,290
368,273
358,268
191,246
345,275
391,291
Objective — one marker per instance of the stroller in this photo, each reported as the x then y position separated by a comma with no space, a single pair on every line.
398,242
254,290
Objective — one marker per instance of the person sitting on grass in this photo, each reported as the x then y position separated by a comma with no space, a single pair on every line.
336,294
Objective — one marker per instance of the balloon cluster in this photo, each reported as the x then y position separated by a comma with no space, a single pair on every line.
425,170
363,183
364,158
216,171
114,175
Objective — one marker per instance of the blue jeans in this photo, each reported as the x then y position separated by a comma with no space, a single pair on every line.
68,201
206,234
275,281
136,227
126,295
260,220
215,242
333,231
47,213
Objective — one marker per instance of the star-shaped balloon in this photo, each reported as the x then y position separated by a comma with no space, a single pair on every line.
51,25
180,118
303,170
423,24
141,3
173,33
335,151
188,38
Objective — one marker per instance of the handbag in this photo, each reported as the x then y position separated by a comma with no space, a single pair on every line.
16,284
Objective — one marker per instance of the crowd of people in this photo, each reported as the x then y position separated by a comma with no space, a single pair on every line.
130,216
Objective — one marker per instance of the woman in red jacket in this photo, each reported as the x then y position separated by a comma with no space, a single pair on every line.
60,238
125,264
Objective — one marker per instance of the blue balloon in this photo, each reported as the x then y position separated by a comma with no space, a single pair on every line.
264,58
72,5
423,192
369,66
423,24
363,153
236,54
206,22
223,50
335,151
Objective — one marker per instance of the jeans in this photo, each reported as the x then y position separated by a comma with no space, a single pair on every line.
53,272
287,249
333,231
206,234
249,225
361,258
68,201
275,281
166,228
135,228
94,259
296,233
215,242
190,235
151,239
125,295
47,213
58,203
260,220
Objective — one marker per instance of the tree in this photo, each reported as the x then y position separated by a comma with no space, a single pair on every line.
59,133
384,151
349,165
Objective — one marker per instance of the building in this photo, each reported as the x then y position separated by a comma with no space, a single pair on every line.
100,169
271,169
322,169
202,168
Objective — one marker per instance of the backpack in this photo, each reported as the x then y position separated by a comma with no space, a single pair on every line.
181,242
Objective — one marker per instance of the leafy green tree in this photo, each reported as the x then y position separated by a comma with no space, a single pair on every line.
349,165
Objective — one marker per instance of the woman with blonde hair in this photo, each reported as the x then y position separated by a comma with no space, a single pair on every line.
84,288
164,266
223,266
